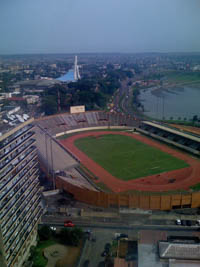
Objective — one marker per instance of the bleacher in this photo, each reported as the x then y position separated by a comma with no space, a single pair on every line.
181,139
64,122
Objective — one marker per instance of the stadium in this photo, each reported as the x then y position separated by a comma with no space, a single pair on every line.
114,160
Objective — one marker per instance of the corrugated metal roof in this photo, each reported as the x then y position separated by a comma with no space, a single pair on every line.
164,128
179,251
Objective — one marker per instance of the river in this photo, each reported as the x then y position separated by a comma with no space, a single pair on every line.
175,102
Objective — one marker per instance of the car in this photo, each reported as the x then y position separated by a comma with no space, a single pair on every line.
68,224
88,231
198,222
178,222
86,263
103,254
107,247
183,222
123,236
189,223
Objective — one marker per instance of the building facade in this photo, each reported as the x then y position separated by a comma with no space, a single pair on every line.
20,194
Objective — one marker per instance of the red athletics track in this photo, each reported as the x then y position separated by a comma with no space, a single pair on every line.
160,182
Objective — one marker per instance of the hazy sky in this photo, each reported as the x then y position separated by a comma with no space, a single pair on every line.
71,26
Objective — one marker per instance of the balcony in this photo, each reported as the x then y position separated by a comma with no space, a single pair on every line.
12,138
25,200
17,144
15,197
21,170
20,178
24,238
22,149
17,215
20,189
14,166
26,224
20,225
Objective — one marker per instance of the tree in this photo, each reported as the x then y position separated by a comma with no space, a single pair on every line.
32,252
195,118
49,105
71,236
44,232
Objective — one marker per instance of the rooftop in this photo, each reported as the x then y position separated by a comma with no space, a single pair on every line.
41,82
179,251
7,129
174,131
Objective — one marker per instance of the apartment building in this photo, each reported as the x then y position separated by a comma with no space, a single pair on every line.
20,193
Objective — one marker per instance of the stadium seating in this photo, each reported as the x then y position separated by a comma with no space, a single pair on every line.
65,122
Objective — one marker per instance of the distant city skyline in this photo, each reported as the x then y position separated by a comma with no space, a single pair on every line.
133,26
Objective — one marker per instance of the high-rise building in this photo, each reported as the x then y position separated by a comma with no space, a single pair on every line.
20,193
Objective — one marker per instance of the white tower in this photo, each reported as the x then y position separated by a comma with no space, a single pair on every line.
76,70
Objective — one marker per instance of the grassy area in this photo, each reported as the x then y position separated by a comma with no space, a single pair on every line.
39,260
69,259
183,77
195,187
127,158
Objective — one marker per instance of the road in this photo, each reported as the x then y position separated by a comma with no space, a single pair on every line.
113,223
104,232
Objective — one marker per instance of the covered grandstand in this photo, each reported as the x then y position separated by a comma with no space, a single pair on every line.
180,139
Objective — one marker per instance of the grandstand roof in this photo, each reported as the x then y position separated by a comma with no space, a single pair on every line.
165,128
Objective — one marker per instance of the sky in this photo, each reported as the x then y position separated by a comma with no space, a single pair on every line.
76,26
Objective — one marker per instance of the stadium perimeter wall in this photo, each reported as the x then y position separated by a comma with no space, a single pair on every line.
134,200
93,128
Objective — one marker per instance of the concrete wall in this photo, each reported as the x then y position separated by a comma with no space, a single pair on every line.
92,128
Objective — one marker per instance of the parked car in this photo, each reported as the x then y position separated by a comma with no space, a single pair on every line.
178,222
189,223
86,263
107,247
68,224
183,222
103,254
123,236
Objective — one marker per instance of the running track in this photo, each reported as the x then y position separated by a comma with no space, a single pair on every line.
156,183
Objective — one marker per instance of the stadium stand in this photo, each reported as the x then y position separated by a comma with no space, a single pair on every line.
65,122
167,134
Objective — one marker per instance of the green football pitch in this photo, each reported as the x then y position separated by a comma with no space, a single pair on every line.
126,158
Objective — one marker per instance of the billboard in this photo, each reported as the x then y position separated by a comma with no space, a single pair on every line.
77,109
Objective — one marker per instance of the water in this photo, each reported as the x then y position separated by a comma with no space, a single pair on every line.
68,77
175,102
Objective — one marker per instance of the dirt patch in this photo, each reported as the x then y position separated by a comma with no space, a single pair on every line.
70,258
62,256
54,253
